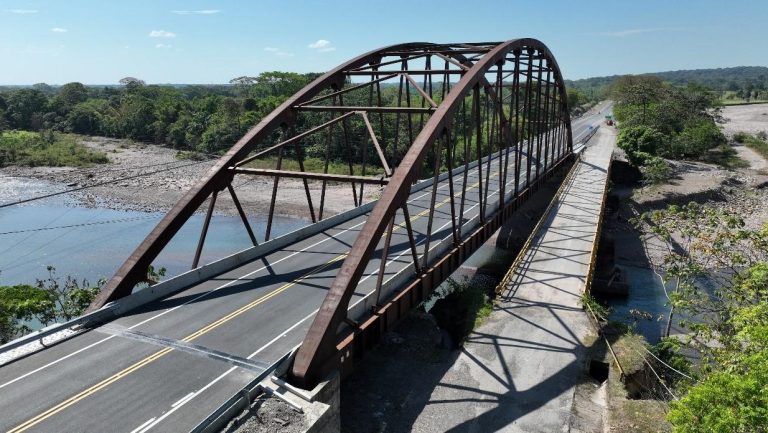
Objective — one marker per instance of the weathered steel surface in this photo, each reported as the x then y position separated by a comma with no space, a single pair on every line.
320,349
408,111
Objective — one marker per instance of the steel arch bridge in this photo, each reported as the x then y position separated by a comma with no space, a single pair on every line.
488,119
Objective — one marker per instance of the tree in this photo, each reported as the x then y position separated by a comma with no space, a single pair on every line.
72,94
721,270
640,143
641,90
575,99
48,301
26,108
86,118
132,84
135,118
242,84
696,139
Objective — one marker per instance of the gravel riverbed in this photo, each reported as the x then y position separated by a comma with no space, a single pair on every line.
150,178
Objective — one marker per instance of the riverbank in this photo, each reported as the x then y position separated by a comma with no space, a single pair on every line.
149,178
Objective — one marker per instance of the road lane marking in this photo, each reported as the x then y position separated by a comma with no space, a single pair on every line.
106,382
297,324
309,316
139,428
203,295
159,354
183,399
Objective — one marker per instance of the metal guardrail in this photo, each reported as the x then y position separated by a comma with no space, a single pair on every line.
186,279
583,142
70,325
591,270
239,402
516,263
578,151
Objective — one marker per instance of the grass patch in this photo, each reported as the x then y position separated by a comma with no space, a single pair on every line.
190,155
737,101
461,308
627,414
724,156
46,149
600,311
756,143
315,165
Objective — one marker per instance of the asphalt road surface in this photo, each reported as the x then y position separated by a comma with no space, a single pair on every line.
167,365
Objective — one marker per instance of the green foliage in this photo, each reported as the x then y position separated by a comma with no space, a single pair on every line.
599,310
655,171
721,270
754,142
34,149
474,298
726,401
696,139
640,143
659,121
204,118
736,80
49,300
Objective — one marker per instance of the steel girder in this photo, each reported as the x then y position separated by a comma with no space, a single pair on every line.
406,112
324,347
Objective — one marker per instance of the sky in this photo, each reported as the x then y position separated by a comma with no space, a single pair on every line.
213,41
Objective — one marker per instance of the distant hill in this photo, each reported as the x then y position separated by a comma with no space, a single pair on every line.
720,79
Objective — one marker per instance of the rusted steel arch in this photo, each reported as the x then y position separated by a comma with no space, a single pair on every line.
219,177
319,353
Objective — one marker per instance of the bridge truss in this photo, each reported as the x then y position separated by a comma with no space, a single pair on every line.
395,116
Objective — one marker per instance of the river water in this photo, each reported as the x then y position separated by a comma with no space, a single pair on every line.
92,242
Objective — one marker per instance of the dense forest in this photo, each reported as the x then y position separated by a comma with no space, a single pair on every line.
209,119
205,119
742,82
202,118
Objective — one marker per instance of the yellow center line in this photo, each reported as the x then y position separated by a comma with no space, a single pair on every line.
202,331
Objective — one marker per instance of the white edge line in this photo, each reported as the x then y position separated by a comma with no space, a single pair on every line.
139,428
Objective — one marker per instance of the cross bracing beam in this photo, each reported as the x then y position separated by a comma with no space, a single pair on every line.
489,121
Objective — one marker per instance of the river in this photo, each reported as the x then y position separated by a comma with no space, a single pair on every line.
91,242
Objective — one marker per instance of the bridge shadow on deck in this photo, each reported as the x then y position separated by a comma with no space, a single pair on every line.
414,381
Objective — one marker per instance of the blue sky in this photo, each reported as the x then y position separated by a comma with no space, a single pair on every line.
212,41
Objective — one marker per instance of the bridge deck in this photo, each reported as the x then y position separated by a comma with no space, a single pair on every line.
518,371
170,363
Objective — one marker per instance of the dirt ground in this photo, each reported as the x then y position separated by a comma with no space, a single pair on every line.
171,177
747,118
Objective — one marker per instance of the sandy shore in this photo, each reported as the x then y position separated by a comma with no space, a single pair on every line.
151,178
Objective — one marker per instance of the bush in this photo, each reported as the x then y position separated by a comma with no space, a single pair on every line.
696,139
45,149
655,171
725,402
741,137
640,143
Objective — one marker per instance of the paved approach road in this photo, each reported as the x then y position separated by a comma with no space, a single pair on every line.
168,364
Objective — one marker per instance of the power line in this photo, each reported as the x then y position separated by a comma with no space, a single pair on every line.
108,182
40,229
669,366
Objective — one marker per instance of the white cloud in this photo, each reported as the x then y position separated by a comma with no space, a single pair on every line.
197,12
22,11
58,30
163,46
320,44
278,52
161,34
